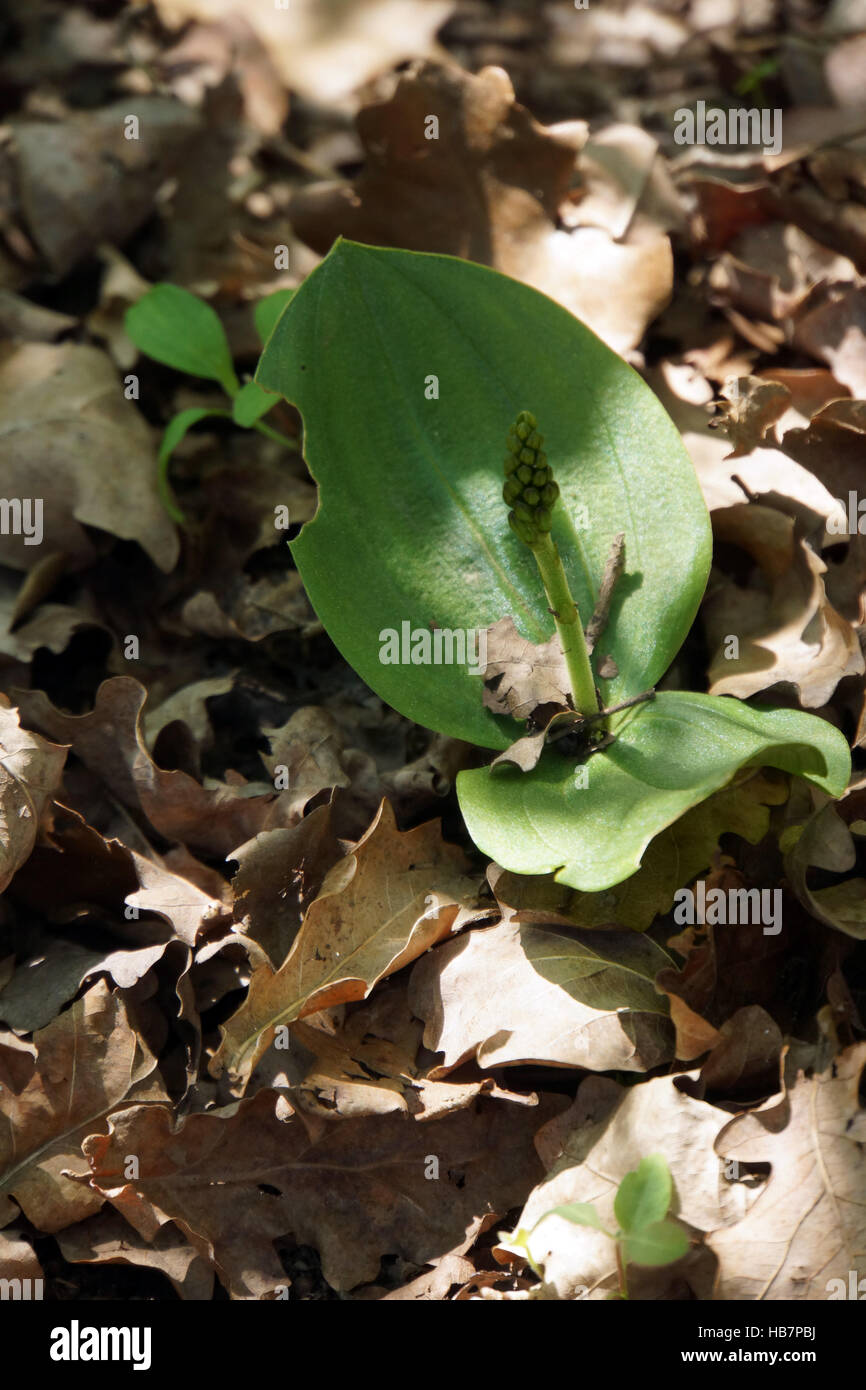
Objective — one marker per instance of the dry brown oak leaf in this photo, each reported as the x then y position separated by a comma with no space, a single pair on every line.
808,1227
380,907
30,772
489,188
234,1180
88,1061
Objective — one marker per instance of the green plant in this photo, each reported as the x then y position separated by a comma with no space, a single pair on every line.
407,369
645,1236
177,328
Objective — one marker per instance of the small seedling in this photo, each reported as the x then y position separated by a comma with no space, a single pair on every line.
407,369
645,1236
175,327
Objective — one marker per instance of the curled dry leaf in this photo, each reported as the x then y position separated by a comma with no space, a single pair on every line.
87,1062
751,408
380,907
518,993
69,438
305,757
30,773
107,1239
234,1180
832,448
826,842
806,1233
371,1066
786,628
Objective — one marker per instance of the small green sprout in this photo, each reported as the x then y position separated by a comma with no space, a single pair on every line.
175,327
646,1235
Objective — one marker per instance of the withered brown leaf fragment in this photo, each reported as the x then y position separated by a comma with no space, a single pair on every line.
521,676
787,629
234,1180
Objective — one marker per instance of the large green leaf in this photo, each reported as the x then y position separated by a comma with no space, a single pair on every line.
668,755
411,526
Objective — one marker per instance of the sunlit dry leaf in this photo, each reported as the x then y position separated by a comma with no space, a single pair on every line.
511,994
490,188
325,51
807,1230
588,1152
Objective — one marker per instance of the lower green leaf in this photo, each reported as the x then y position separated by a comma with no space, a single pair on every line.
251,403
174,433
590,824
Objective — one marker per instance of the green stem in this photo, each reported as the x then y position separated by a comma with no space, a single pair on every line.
568,624
275,434
620,1268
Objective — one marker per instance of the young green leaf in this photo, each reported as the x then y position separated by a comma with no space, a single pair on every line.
174,433
578,1213
177,328
268,310
408,370
658,1244
669,755
644,1196
251,403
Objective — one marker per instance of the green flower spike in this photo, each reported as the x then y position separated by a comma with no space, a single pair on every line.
531,493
